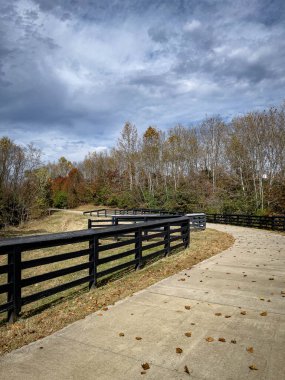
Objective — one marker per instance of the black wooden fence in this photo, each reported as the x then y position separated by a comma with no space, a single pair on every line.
134,211
97,259
126,218
197,221
266,222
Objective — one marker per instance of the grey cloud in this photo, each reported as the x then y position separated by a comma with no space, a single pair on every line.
80,69
158,35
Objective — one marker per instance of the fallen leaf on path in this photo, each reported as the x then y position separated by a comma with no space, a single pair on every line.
233,341
179,350
186,369
105,308
138,338
145,366
222,340
253,367
188,334
209,339
187,307
121,334
271,278
243,312
227,316
218,314
263,314
181,279
249,349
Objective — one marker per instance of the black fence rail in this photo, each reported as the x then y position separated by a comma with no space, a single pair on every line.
36,267
98,212
134,211
197,221
267,222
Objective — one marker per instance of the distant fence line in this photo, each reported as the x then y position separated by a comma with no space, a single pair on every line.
98,254
267,222
134,211
197,221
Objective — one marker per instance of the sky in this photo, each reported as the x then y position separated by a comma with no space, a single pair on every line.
72,72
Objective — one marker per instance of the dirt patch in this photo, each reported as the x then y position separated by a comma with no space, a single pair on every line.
79,304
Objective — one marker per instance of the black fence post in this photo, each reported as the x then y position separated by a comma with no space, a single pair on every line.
14,277
273,223
138,248
186,233
93,259
89,223
167,239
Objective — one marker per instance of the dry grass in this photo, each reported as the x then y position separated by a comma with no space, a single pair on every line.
58,221
79,303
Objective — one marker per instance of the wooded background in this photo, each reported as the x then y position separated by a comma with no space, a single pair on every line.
216,166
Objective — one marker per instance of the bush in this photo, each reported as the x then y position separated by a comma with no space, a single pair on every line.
60,199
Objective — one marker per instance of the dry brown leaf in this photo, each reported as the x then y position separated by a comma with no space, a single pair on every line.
282,291
138,338
143,372
222,340
249,349
243,312
253,367
227,316
263,314
179,350
181,279
188,334
121,334
218,314
186,369
187,307
145,366
271,278
209,339
105,308
233,341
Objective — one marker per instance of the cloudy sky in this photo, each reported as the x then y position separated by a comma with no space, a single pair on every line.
73,71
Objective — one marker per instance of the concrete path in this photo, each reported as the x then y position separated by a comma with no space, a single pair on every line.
237,297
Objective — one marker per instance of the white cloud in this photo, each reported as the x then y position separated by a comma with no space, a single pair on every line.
192,25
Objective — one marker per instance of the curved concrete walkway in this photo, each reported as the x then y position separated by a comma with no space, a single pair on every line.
236,296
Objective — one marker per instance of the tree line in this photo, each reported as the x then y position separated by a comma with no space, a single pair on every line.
216,166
